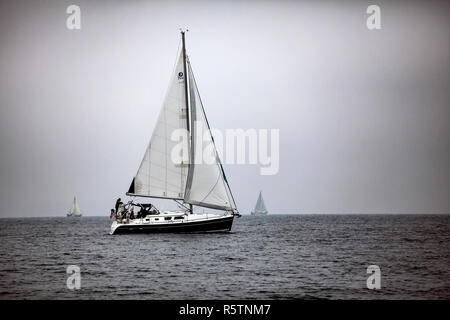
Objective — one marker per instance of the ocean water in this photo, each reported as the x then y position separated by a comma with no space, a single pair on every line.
271,257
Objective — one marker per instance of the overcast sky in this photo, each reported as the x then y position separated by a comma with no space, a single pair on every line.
364,116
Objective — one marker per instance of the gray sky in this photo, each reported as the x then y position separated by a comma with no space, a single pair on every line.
364,116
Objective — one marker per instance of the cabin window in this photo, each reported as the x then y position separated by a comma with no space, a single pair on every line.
156,219
177,218
168,218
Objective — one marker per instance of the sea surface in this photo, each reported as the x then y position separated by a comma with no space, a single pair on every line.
268,257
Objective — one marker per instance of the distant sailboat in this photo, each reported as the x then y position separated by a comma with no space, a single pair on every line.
260,208
75,210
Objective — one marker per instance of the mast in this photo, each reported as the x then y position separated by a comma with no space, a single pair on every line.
186,94
185,79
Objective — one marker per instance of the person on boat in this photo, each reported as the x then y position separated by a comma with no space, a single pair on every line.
132,213
118,203
153,210
138,215
123,211
142,212
113,213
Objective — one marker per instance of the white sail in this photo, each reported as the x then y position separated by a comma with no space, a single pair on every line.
159,175
206,184
75,210
260,207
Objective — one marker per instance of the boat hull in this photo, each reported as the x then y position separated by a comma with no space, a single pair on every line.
259,213
219,224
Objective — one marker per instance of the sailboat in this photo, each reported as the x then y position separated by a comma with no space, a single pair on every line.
260,208
75,210
188,180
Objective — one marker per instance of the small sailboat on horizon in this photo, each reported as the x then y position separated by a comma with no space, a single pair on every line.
189,182
75,209
260,208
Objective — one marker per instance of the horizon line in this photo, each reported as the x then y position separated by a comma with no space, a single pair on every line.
274,214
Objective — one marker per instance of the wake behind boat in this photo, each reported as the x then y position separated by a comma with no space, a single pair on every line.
190,181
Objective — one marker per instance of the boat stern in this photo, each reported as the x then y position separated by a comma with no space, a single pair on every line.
114,226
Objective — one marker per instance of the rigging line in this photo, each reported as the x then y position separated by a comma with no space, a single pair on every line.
176,58
181,205
212,138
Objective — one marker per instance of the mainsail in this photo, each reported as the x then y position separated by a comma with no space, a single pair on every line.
199,178
75,210
260,207
158,175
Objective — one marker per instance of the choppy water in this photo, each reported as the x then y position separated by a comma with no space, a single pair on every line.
272,257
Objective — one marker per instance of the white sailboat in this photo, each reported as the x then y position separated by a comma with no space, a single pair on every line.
75,209
260,208
190,181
